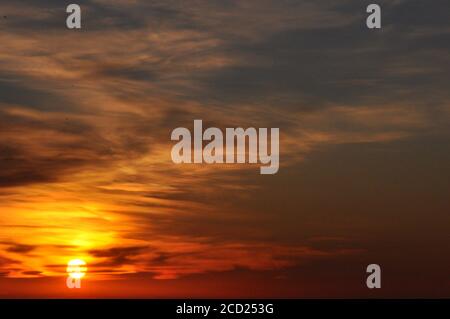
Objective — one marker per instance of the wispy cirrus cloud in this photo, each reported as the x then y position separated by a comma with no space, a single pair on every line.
85,122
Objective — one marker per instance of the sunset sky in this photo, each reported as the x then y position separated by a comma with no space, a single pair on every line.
85,167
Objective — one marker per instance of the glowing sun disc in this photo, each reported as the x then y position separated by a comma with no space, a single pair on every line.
76,268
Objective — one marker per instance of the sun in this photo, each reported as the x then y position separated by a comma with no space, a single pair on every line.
76,268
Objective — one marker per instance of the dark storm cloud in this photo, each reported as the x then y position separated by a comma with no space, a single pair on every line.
17,172
44,16
117,256
399,13
20,248
21,92
24,169
76,146
32,272
346,65
162,258
279,60
6,262
417,13
23,163
297,65
35,16
133,73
